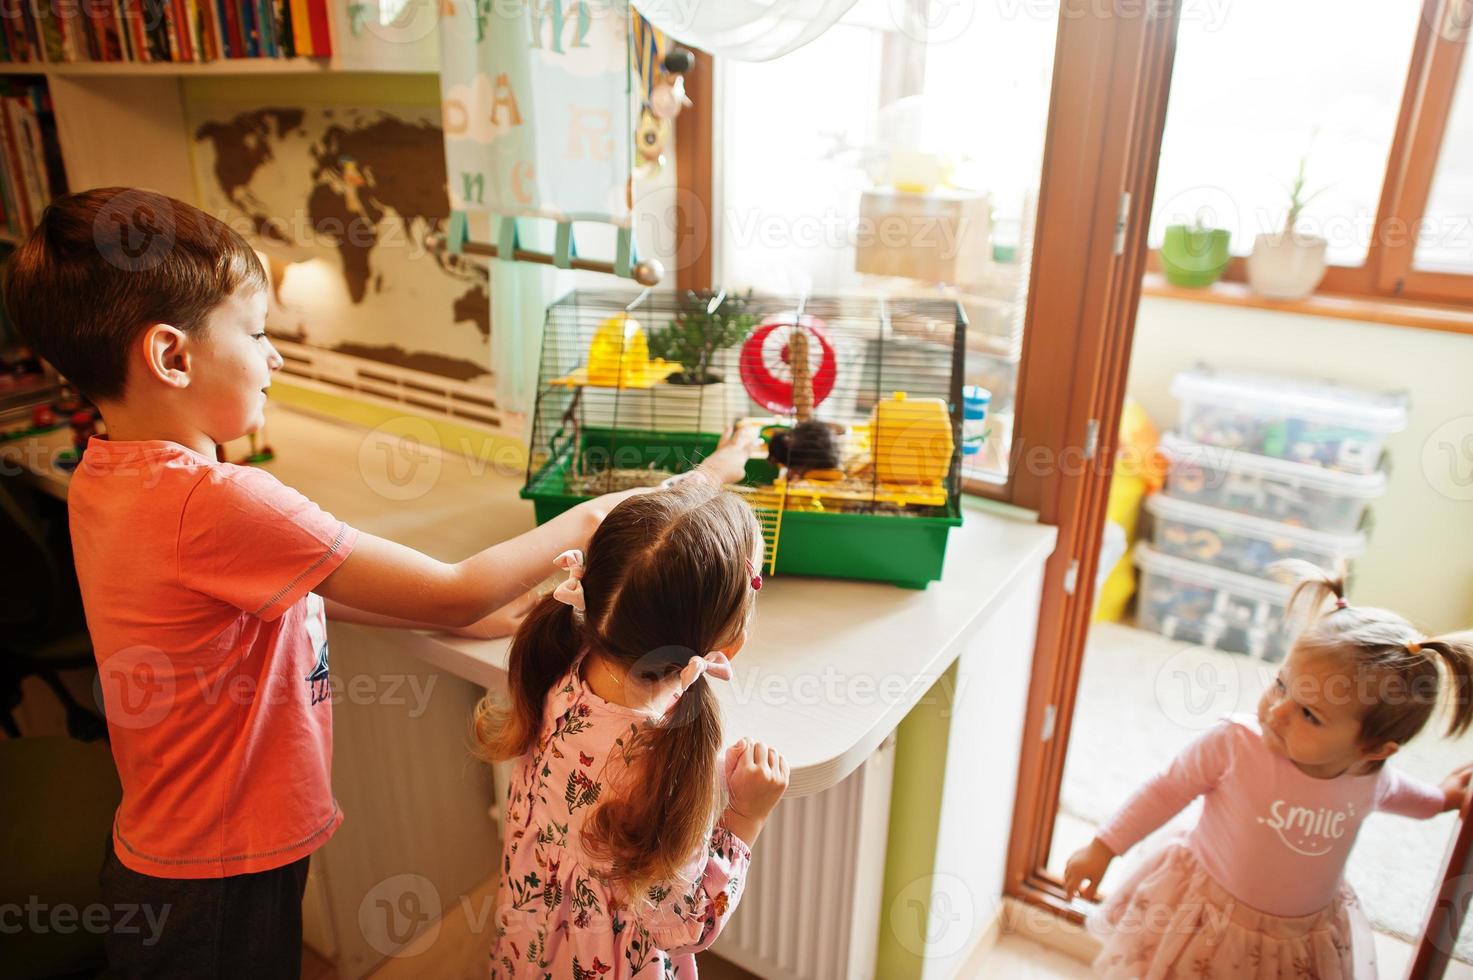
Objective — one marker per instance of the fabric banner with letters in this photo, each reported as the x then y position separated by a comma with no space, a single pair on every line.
536,103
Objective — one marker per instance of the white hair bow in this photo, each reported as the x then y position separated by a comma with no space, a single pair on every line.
570,592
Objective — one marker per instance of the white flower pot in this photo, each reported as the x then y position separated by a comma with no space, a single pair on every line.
663,407
1286,265
693,408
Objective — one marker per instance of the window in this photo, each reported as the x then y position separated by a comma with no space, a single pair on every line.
1272,83
1445,241
808,148
1367,94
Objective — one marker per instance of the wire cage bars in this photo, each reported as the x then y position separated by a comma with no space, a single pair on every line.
858,400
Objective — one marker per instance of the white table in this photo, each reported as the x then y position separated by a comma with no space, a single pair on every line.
830,670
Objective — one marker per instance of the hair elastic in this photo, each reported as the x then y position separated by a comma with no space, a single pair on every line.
1414,647
756,576
1340,602
570,593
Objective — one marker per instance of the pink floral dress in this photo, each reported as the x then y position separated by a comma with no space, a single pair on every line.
555,915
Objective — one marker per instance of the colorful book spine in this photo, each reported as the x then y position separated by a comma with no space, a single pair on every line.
321,34
234,37
13,170
301,28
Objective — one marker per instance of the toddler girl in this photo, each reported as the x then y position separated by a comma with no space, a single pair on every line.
1255,890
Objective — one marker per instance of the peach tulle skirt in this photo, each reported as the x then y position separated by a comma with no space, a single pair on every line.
1171,921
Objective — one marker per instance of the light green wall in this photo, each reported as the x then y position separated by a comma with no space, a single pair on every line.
915,821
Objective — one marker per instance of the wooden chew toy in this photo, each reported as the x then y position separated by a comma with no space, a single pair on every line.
802,377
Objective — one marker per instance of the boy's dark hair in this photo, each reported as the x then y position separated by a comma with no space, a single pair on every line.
104,264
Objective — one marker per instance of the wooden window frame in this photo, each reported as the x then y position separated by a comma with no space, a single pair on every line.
1112,75
1388,272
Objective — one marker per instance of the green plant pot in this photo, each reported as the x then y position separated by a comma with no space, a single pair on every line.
1194,257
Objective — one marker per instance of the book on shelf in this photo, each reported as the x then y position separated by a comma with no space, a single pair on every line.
46,32
31,171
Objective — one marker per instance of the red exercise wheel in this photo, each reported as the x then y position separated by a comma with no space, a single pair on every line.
766,365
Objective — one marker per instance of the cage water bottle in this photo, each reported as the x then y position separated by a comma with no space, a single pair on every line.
975,400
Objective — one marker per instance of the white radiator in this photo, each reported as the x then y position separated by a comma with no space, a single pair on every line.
811,909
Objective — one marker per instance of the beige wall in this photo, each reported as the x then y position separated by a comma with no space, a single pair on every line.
1420,559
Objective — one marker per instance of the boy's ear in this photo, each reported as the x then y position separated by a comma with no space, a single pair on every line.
165,356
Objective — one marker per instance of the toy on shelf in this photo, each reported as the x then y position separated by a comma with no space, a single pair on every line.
84,426
260,451
861,474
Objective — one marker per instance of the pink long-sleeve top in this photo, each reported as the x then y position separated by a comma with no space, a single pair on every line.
556,915
1274,837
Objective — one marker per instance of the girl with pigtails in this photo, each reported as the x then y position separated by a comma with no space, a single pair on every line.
1256,888
629,826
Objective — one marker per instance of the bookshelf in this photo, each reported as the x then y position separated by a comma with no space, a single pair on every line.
123,122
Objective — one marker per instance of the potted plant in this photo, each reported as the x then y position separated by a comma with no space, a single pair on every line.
697,397
1194,255
1289,264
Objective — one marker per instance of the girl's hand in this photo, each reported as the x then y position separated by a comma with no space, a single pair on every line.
1455,787
728,464
756,777
1087,864
502,622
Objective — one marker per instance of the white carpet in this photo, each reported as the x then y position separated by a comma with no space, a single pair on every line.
1142,697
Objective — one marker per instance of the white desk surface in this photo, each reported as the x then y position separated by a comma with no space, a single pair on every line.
831,666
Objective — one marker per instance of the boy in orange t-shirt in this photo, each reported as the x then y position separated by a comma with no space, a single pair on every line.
204,582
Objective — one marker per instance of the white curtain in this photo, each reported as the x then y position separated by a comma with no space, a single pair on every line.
747,30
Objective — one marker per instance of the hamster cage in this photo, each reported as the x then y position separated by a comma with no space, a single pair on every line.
858,402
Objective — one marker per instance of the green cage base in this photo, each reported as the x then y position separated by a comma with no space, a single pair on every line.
906,550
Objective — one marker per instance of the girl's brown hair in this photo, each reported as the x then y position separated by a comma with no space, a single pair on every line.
666,578
1408,672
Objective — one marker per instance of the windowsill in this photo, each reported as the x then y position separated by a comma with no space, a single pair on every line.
1428,316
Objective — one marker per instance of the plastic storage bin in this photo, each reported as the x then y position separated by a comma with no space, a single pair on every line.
1293,493
1288,418
1241,542
1196,603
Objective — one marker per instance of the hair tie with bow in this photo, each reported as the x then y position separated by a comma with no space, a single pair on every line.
714,664
570,592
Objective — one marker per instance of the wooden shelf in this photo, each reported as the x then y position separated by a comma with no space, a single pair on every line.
227,66
1427,316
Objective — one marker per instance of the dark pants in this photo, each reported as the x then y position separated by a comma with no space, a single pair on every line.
242,926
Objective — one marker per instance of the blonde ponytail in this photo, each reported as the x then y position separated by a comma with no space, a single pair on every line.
1456,653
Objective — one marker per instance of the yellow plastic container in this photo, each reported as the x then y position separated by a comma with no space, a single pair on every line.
619,356
913,440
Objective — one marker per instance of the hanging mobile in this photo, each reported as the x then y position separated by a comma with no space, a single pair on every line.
662,69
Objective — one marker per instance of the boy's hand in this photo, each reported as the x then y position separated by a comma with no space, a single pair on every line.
756,778
502,622
1455,787
1087,864
728,464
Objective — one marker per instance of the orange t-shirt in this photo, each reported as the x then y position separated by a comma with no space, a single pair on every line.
211,652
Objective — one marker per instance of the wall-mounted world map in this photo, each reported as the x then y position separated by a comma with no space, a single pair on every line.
340,198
